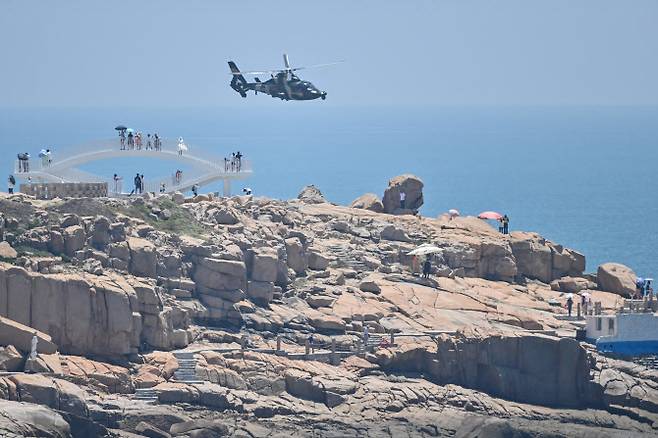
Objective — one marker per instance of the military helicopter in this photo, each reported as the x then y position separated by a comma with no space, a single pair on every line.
283,84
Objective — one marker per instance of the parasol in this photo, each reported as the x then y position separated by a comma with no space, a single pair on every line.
491,215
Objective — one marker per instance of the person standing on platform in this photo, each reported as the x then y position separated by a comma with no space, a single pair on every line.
11,184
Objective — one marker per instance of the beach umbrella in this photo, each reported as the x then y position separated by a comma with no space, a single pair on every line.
43,153
120,128
425,249
569,295
491,215
453,212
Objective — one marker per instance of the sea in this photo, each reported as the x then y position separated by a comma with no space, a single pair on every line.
585,177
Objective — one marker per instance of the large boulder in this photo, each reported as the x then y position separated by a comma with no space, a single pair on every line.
74,239
544,260
311,195
143,259
297,257
7,252
31,420
616,278
369,201
84,314
412,186
265,265
10,359
20,336
100,235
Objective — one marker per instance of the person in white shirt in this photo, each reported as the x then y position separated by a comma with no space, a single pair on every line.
403,198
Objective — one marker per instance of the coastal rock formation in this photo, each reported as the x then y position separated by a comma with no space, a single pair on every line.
311,195
412,186
259,315
507,367
616,278
103,316
369,201
544,260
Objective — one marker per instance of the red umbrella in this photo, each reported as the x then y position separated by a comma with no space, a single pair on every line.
490,215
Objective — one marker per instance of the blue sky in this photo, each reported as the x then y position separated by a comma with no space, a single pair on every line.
464,52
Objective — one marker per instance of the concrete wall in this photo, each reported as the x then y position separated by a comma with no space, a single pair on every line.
65,190
593,332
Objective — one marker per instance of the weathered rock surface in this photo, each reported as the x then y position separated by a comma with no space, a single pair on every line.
369,201
412,186
616,278
311,195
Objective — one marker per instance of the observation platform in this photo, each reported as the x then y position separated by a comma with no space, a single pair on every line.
203,168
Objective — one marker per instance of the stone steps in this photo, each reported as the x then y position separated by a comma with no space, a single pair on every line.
147,395
186,372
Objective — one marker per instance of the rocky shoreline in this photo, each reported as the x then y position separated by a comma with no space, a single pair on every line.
165,316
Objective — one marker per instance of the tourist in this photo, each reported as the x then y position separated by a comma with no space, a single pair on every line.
238,163
117,186
246,191
505,222
11,184
156,141
141,183
225,164
569,303
181,146
138,185
414,265
34,346
427,267
148,142
122,139
366,335
138,141
195,189
131,141
162,187
403,198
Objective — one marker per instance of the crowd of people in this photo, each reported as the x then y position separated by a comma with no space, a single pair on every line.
234,163
135,141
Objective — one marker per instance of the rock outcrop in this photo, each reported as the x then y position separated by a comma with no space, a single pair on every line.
103,316
412,186
369,201
311,195
544,260
616,278
530,369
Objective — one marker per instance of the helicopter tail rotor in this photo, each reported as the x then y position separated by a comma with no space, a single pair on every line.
238,83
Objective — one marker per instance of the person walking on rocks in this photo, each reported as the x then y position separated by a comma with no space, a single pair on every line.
11,184
427,267
569,304
403,199
195,189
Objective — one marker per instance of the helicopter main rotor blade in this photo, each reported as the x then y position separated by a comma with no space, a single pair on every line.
286,62
262,72
316,65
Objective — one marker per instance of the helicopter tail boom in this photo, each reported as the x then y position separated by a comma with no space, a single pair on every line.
238,83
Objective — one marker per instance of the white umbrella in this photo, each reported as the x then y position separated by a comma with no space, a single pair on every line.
453,212
425,249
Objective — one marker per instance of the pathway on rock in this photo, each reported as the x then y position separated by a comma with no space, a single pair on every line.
186,372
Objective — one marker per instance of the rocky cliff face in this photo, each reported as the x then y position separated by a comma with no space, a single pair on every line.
127,281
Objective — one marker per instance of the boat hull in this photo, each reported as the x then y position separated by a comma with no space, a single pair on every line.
628,348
